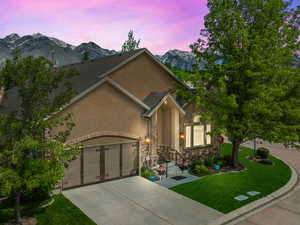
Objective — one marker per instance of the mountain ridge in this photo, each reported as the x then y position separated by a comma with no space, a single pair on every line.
63,53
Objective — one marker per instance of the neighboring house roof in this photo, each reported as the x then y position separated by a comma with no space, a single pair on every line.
93,73
155,99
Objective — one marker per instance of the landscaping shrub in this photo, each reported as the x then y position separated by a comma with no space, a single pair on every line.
201,170
262,152
147,172
218,158
220,163
37,194
195,163
227,160
208,162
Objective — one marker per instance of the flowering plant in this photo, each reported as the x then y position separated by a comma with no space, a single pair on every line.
184,164
161,170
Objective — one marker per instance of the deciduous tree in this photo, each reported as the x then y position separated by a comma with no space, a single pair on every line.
248,85
31,155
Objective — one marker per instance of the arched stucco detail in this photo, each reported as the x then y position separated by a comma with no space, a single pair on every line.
105,134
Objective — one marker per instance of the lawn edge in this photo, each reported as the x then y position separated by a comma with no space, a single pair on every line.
247,210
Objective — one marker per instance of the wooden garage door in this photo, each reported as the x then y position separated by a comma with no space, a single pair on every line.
102,163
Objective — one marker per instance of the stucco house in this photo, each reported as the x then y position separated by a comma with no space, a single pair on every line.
125,111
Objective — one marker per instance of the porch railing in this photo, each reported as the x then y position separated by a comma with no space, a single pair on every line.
165,153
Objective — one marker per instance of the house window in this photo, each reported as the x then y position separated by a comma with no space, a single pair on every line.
196,133
196,119
188,136
208,137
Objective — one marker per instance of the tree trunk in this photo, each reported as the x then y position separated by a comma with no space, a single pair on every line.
18,208
235,154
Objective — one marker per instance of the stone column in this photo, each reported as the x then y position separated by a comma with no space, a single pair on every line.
175,129
154,139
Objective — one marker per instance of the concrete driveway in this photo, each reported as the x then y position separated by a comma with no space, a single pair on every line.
137,201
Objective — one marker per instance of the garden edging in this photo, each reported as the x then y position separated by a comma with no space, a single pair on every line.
244,212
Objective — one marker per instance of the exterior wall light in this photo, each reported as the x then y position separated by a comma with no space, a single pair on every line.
166,102
182,136
147,140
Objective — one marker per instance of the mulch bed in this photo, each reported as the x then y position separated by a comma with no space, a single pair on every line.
260,160
225,169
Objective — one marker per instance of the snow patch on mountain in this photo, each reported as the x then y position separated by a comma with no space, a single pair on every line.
63,53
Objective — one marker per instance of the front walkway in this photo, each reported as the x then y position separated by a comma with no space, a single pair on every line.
174,171
286,211
137,201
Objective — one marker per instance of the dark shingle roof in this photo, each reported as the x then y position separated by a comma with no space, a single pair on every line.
89,74
154,98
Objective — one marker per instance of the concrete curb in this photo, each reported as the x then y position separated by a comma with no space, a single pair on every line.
246,211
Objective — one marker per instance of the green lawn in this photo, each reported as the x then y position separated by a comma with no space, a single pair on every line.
217,191
61,212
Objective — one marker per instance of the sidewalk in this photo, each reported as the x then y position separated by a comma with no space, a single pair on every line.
287,210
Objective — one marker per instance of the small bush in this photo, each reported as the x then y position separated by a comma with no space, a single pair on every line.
227,160
262,152
218,158
208,162
220,163
38,194
201,170
147,172
195,163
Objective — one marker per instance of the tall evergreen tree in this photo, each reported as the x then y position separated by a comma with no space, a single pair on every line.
255,91
131,43
32,156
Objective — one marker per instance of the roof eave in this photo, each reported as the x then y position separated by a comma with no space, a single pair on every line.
151,112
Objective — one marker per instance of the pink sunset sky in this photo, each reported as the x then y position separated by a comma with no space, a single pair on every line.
160,24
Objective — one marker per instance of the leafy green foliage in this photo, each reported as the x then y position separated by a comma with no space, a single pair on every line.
263,152
201,170
208,161
227,160
62,211
196,162
32,155
131,43
218,190
147,172
255,91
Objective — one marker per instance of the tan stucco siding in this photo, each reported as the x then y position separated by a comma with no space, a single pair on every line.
104,140
143,76
107,110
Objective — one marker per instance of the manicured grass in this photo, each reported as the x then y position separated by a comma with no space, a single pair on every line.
61,212
217,191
